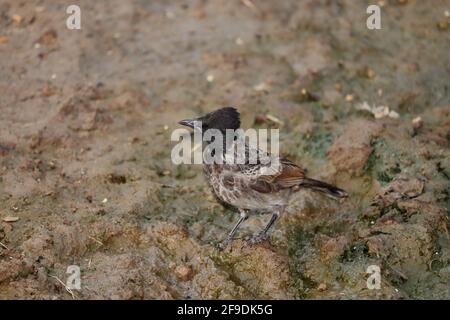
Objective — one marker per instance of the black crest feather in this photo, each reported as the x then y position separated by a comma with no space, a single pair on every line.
224,118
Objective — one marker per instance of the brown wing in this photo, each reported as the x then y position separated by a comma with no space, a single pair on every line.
288,176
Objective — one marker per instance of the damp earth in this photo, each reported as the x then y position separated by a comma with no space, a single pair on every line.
86,177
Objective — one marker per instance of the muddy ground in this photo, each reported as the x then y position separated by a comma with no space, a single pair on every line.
86,177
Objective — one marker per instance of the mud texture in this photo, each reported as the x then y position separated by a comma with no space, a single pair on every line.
86,177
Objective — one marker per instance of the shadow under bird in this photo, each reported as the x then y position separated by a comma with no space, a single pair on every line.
253,186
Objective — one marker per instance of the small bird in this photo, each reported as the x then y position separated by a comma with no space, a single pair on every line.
253,186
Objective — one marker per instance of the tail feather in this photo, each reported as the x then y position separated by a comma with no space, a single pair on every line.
324,187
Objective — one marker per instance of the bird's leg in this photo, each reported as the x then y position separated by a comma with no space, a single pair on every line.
230,236
262,235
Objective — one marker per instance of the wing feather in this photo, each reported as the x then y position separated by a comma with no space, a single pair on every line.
287,175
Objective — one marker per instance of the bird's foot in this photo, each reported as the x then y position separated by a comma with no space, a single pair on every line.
258,238
224,243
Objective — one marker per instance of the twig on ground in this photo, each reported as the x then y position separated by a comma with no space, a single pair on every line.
67,288
250,4
96,240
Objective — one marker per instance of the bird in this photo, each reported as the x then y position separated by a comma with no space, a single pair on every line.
251,186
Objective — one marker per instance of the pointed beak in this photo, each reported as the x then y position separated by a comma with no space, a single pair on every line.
188,123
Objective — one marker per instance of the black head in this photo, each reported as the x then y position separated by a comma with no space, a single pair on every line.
222,119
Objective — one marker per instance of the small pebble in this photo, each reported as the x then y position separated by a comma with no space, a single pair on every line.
16,18
309,96
442,25
349,98
393,114
368,72
239,41
322,287
184,273
417,122
170,14
210,78
260,118
261,87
